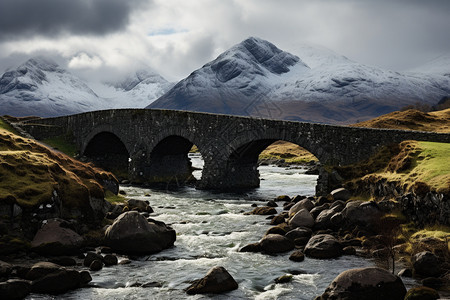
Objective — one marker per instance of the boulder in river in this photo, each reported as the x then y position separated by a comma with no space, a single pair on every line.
302,219
422,293
302,204
323,246
216,281
426,264
275,243
365,283
131,233
14,289
264,210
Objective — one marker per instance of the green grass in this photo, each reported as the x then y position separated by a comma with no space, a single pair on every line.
63,143
6,126
434,162
114,199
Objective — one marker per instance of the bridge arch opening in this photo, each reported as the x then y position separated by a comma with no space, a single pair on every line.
107,151
254,161
175,160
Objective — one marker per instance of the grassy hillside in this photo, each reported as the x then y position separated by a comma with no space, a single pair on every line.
437,121
413,165
290,152
30,173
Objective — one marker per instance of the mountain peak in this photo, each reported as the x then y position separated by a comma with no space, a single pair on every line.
259,53
42,63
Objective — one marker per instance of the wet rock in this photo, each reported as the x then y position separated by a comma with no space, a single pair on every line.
276,230
422,293
426,264
42,269
349,250
277,220
299,232
132,233
302,204
276,243
365,283
297,256
90,257
341,194
151,284
54,238
284,279
139,205
85,277
406,272
283,198
216,281
124,261
323,220
302,219
57,283
318,209
264,210
254,247
433,282
5,269
64,261
96,265
323,246
110,260
14,289
272,203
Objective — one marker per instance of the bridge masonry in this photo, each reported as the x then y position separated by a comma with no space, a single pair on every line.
157,142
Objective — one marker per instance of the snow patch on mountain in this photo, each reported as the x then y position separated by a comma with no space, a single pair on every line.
319,85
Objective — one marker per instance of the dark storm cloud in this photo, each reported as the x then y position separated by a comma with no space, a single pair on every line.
24,18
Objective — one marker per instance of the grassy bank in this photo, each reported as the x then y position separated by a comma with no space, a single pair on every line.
291,153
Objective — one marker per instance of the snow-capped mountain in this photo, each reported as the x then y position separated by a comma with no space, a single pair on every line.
139,88
256,78
40,87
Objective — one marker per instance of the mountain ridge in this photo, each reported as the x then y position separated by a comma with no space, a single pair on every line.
329,88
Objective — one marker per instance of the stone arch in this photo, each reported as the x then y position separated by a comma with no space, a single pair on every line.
242,160
106,150
167,161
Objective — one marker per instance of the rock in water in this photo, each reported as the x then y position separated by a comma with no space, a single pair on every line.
426,264
131,233
365,283
276,243
14,289
302,219
216,281
323,246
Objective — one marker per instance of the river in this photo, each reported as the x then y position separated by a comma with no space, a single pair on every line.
211,227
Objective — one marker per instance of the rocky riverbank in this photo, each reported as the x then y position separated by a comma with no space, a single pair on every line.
333,225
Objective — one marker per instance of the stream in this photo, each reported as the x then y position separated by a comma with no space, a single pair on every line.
211,228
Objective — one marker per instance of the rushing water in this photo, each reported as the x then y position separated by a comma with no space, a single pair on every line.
210,230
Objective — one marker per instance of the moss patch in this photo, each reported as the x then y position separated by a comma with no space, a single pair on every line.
63,143
4,125
30,173
411,165
113,198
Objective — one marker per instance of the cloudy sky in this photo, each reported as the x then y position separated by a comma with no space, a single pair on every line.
101,38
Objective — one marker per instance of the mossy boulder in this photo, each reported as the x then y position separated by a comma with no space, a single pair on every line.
421,293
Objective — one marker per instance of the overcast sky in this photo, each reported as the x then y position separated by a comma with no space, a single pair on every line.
104,37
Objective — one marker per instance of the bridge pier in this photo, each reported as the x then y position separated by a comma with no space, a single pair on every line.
229,176
175,169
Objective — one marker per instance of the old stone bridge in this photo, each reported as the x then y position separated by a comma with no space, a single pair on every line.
153,144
